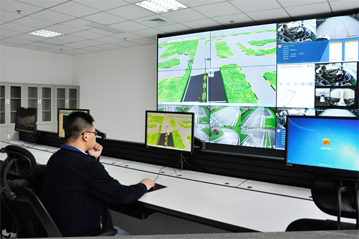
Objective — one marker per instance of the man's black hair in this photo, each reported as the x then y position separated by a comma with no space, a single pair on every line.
76,123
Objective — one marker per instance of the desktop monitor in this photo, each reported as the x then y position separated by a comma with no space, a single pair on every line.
26,120
170,130
327,142
62,116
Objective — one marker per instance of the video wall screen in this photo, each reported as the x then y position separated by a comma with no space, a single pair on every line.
241,83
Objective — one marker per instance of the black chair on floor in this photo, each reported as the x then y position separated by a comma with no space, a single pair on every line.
336,194
27,211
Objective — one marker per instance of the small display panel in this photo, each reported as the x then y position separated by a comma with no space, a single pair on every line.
62,116
170,130
323,142
26,120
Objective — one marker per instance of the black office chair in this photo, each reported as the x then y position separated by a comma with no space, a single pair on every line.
336,194
27,211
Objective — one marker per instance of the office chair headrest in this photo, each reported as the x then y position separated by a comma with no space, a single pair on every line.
22,163
325,189
19,164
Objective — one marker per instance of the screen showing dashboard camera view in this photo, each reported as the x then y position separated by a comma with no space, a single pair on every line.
242,83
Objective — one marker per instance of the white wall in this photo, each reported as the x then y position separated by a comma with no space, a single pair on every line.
30,66
118,86
19,65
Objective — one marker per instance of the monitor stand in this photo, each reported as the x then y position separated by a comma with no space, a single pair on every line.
182,160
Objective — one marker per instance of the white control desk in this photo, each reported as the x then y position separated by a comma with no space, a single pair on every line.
237,202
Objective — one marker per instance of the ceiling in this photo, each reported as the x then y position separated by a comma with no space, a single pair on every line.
126,25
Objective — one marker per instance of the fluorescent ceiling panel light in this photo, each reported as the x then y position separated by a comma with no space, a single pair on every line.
159,6
45,33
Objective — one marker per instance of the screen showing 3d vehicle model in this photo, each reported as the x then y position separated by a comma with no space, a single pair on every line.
323,142
170,130
242,83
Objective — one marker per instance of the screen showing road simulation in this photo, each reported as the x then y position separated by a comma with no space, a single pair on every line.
323,142
170,130
61,119
26,119
242,83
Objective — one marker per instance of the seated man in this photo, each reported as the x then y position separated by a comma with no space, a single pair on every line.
77,188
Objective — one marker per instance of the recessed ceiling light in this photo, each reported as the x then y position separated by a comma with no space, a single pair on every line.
159,6
45,33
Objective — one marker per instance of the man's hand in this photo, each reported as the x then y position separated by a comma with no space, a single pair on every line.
96,150
149,183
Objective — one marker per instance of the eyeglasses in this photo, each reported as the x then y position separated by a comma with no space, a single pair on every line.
95,133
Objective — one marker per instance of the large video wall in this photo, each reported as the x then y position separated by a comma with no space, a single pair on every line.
241,83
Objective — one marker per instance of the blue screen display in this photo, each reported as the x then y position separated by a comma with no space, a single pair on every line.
323,142
319,51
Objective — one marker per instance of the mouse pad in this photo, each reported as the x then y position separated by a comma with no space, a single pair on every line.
157,187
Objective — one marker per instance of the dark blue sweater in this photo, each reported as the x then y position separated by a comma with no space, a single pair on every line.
77,190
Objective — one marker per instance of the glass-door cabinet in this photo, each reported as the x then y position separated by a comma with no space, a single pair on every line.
11,97
67,97
15,101
32,96
46,98
46,102
61,97
2,104
42,98
73,98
